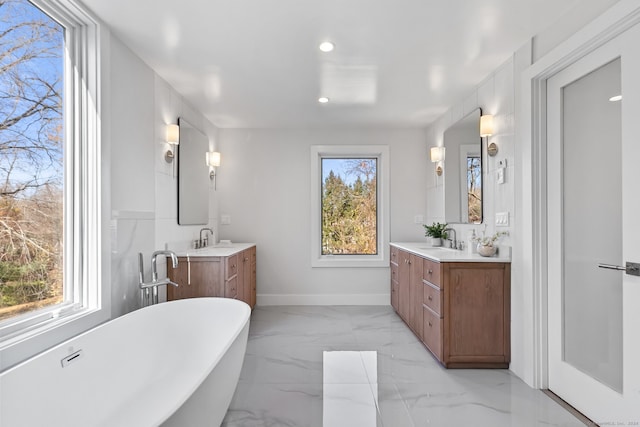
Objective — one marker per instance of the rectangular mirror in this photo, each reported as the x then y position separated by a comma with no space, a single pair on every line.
193,176
463,171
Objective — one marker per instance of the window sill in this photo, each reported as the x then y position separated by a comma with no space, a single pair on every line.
350,261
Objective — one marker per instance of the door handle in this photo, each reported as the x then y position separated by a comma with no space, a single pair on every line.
630,268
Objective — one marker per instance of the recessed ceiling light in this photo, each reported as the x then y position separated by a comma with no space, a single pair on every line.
323,100
326,46
616,98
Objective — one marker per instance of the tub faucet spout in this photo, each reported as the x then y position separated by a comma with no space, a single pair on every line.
154,268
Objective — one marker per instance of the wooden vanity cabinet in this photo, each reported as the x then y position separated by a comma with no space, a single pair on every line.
232,276
394,279
432,301
477,314
406,277
194,278
464,309
247,276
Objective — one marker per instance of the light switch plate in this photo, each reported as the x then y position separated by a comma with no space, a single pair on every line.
502,219
225,219
418,219
500,176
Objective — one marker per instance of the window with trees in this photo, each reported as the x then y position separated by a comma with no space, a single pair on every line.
31,159
349,206
50,176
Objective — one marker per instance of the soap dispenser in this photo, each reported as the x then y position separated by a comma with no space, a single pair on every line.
471,244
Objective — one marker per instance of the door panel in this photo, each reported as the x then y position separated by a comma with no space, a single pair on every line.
592,297
592,211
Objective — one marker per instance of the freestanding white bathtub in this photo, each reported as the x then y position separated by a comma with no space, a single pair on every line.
171,364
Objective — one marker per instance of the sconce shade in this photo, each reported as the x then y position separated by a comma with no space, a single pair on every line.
173,134
437,154
213,159
486,125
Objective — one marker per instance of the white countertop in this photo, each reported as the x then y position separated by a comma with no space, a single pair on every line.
217,250
450,255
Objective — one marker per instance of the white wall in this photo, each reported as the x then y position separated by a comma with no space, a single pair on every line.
142,187
263,184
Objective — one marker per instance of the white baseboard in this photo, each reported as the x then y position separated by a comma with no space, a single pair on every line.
322,299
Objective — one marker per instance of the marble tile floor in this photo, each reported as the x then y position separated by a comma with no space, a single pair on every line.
361,366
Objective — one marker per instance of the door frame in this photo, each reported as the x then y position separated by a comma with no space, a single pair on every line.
531,153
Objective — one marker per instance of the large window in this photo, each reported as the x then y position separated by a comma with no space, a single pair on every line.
31,159
349,206
50,198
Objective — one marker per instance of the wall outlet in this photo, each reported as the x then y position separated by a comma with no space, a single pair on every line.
225,219
418,219
502,219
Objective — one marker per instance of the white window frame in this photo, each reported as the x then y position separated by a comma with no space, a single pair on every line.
87,302
381,154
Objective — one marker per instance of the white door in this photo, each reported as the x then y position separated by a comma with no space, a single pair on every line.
593,190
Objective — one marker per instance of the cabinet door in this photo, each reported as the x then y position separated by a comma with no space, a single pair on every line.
404,285
394,286
416,290
196,277
245,294
252,281
243,276
393,264
477,312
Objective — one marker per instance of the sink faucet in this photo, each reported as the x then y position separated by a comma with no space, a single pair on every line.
453,242
201,242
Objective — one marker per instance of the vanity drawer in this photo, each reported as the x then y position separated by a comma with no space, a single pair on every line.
394,255
394,273
231,288
432,332
432,298
431,272
231,266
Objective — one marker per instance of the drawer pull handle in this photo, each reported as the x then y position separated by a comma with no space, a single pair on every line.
430,272
430,298
430,324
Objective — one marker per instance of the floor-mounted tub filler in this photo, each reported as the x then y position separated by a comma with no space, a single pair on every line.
171,364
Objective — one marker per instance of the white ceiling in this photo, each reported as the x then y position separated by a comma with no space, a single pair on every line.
256,63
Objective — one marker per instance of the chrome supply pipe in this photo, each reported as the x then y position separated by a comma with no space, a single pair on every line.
149,290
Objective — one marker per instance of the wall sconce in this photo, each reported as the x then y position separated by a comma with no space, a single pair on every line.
173,138
486,130
437,156
213,161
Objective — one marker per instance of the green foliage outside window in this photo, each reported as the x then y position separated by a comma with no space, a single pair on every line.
349,207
